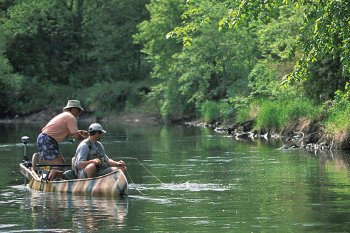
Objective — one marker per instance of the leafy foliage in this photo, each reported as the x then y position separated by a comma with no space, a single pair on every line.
211,111
274,115
46,45
338,112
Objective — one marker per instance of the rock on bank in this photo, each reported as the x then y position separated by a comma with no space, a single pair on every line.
301,133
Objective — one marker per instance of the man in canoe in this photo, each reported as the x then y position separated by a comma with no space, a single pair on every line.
61,126
91,159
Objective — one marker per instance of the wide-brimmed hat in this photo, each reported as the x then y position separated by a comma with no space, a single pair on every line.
96,127
73,104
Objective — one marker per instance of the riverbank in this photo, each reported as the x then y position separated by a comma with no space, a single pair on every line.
302,133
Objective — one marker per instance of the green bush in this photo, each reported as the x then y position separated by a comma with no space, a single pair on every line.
338,121
276,114
112,97
338,113
270,116
246,109
36,96
108,97
211,110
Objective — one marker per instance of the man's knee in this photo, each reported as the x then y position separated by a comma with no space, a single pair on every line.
90,170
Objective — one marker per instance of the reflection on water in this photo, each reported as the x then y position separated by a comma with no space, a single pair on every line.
54,212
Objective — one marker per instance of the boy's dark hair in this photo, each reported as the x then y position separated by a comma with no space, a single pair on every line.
92,132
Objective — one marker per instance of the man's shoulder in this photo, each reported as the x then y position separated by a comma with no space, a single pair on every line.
99,144
84,143
64,116
68,115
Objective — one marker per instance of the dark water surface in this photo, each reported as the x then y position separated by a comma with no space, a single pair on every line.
184,180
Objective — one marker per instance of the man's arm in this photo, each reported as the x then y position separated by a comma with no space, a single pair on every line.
80,135
113,163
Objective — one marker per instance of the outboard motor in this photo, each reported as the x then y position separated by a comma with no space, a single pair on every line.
26,162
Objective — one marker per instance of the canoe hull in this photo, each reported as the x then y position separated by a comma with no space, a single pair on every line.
110,185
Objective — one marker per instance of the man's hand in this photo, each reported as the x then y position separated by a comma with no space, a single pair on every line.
120,163
96,161
84,133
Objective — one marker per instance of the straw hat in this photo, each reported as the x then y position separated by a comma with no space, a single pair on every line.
73,104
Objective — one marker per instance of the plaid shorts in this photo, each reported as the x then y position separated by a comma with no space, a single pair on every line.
48,147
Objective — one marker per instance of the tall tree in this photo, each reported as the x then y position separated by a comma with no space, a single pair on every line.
161,53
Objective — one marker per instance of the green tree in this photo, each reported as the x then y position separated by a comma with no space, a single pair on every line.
109,27
67,45
41,38
216,66
323,35
161,53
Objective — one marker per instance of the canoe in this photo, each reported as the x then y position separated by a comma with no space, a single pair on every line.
113,184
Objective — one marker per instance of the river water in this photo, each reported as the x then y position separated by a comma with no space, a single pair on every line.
184,180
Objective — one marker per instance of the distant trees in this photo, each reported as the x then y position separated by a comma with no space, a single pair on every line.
56,47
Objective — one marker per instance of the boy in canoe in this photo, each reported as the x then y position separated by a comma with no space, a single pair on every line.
91,159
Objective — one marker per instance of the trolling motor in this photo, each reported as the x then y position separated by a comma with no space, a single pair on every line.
26,162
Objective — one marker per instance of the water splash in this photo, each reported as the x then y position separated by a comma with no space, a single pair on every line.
187,186
194,187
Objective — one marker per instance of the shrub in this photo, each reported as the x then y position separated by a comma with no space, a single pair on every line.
338,113
211,110
108,97
36,96
275,115
112,97
270,116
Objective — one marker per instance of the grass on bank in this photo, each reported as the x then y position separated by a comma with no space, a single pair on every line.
337,123
274,115
269,115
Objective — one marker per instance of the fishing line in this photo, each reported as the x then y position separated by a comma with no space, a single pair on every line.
143,167
129,177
